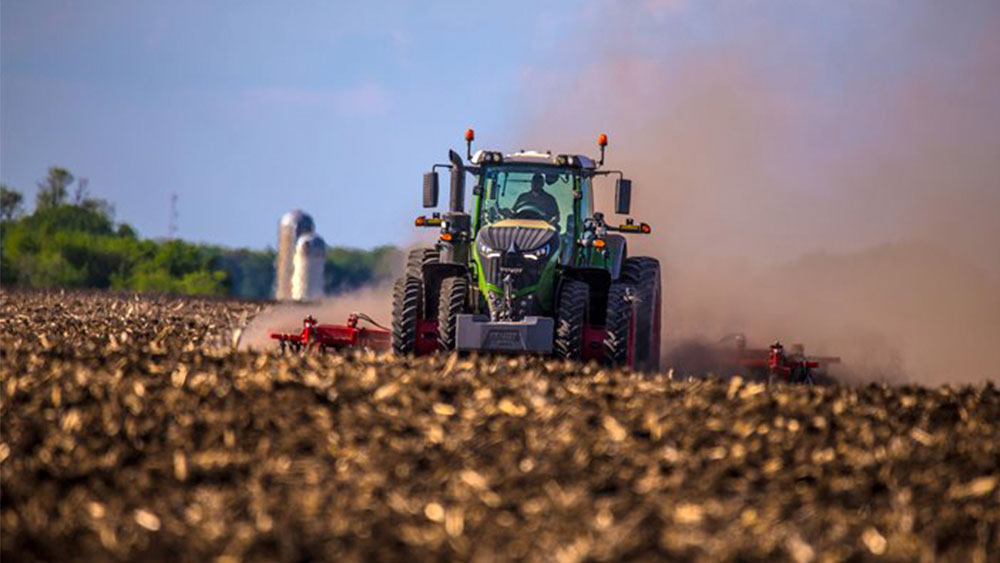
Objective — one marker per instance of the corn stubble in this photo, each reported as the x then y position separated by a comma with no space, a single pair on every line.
130,430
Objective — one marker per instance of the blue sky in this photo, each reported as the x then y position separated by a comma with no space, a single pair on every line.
335,107
868,110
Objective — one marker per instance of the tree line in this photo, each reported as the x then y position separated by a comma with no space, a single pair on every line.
71,240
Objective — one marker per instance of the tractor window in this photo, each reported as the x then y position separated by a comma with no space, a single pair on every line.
545,194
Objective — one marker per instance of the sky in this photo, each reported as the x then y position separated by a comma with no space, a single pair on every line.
246,110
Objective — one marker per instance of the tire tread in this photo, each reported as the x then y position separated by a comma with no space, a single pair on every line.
406,297
618,324
571,312
454,295
643,273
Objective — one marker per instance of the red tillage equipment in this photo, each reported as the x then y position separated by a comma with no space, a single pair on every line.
777,364
322,337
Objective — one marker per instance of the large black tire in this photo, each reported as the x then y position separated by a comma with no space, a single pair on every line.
418,258
454,296
416,261
619,338
407,294
571,314
643,273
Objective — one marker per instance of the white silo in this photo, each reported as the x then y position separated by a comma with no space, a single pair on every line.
293,224
307,268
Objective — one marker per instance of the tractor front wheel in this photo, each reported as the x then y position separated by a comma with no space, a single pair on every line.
619,338
571,313
454,296
407,294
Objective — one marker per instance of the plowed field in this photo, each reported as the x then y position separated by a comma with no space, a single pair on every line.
130,430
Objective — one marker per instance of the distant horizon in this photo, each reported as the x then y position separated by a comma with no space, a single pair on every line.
862,122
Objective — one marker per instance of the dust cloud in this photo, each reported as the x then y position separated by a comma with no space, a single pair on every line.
824,173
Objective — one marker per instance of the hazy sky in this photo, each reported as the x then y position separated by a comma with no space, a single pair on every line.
248,109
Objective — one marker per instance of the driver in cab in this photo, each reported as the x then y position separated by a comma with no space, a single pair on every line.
537,203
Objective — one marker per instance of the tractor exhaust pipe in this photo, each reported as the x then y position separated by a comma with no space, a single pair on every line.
457,203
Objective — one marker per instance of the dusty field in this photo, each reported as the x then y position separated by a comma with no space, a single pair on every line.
130,432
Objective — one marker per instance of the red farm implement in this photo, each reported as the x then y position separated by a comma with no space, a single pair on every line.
775,363
323,337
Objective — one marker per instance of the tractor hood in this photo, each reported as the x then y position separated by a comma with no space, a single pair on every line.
527,234
517,261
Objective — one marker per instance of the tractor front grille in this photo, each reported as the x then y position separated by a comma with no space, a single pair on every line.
502,252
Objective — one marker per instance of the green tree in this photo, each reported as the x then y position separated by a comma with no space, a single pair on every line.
100,206
250,272
53,190
72,240
10,203
350,268
69,218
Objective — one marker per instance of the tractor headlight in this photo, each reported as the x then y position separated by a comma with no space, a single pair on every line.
538,253
486,251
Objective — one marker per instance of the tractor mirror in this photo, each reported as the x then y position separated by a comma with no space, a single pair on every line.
431,189
623,196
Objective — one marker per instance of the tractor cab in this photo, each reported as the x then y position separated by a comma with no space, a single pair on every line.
534,190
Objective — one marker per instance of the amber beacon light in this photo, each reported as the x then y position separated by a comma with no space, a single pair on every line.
602,141
470,136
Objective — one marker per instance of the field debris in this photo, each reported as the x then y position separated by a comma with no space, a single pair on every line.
132,430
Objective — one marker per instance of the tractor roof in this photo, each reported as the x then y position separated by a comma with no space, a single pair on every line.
536,157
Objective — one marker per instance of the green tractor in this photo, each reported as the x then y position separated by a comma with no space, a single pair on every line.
533,269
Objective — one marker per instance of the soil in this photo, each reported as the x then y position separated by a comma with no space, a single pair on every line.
131,430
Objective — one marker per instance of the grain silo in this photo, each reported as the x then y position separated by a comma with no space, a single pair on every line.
307,268
293,224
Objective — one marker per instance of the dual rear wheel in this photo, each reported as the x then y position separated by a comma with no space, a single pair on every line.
414,302
632,318
642,274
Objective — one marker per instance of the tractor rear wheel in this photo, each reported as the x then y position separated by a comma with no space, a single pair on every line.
619,338
420,257
416,262
406,308
454,295
571,314
643,273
